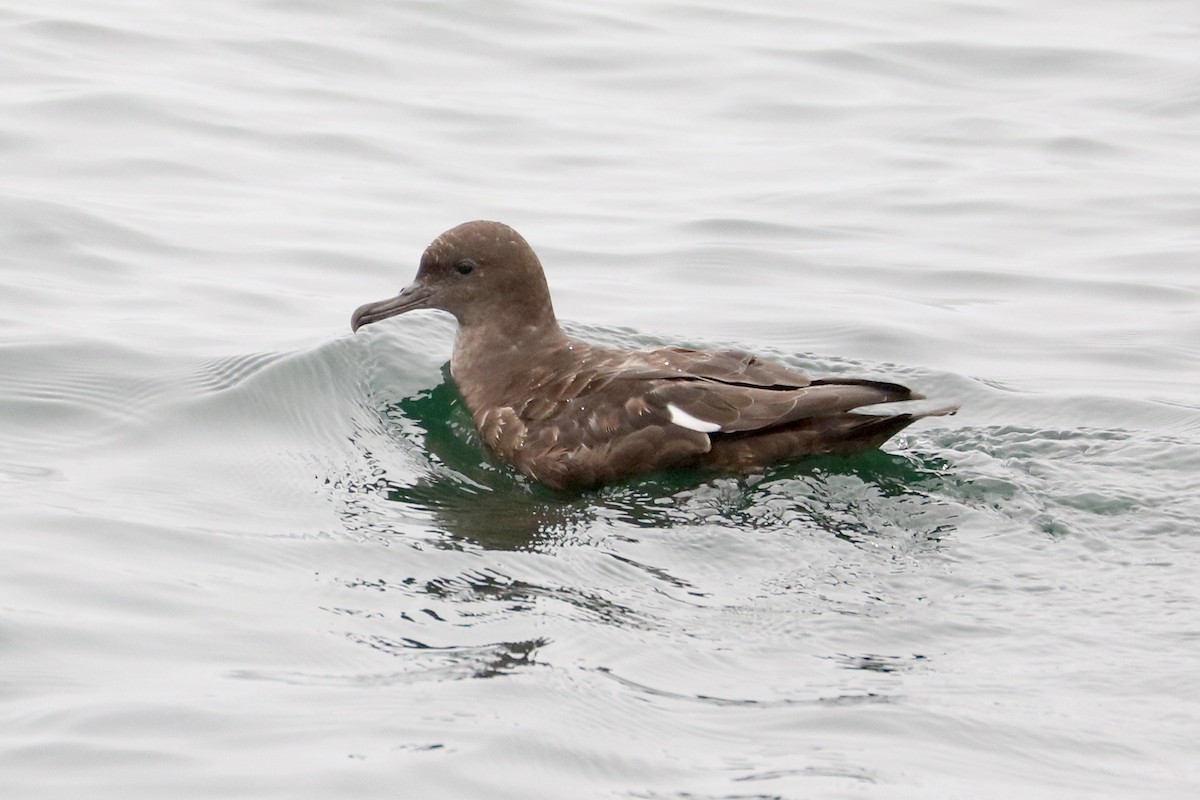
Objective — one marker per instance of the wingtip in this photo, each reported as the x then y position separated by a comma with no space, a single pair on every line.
917,408
939,411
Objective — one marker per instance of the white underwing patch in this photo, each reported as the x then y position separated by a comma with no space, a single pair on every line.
685,420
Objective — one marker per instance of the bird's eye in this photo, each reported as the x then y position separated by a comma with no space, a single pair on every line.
465,266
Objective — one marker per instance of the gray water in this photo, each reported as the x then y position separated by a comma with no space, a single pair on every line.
244,553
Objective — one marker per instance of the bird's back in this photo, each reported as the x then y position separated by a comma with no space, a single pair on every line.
588,415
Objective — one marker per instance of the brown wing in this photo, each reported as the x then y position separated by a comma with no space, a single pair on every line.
725,366
736,408
636,412
583,432
677,389
728,391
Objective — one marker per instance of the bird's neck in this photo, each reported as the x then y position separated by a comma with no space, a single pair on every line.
493,366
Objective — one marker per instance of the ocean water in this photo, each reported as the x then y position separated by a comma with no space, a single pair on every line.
244,553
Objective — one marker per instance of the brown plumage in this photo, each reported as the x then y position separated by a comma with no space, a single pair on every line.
574,415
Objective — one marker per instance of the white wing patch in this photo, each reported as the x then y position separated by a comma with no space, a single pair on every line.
686,420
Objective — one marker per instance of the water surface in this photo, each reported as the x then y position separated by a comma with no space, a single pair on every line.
245,553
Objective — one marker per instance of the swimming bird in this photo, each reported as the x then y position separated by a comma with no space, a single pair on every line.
574,415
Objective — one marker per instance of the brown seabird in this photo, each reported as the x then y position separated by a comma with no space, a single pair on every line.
576,415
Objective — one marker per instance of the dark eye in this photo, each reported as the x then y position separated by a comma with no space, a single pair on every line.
465,266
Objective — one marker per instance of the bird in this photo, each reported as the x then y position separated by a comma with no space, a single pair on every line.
573,415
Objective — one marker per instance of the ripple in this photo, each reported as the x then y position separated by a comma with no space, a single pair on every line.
220,374
64,395
29,472
421,663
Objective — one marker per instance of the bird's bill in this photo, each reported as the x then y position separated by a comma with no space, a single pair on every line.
412,297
